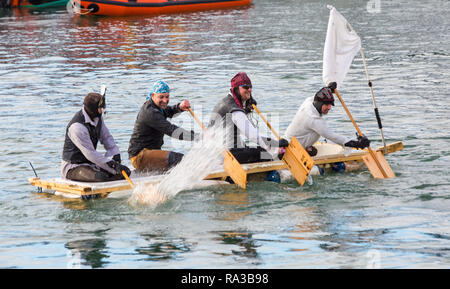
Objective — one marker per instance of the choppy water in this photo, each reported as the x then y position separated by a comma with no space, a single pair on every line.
49,61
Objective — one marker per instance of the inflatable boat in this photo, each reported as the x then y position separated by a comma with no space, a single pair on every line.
330,157
151,7
38,3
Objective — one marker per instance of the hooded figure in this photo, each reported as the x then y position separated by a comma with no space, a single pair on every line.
309,125
80,159
92,102
323,97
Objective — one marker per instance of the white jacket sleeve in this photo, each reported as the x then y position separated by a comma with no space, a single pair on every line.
246,127
320,126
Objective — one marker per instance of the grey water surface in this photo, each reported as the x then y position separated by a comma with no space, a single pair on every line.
49,60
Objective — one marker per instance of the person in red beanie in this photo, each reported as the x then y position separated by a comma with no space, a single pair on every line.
232,112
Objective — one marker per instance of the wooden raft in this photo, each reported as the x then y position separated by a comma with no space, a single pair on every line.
356,155
87,189
103,189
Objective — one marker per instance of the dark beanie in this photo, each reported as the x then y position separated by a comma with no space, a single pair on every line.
91,104
323,96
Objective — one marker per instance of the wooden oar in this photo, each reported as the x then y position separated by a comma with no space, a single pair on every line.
128,179
296,157
230,163
375,161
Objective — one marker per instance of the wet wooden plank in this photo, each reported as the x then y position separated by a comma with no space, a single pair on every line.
103,189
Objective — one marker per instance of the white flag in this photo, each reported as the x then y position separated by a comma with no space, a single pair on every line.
341,46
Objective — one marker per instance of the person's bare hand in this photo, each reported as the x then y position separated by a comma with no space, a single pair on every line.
185,105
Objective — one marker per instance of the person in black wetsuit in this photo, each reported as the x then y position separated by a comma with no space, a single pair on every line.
150,127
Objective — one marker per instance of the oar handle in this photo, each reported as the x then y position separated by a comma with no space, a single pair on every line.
127,178
265,120
196,119
348,112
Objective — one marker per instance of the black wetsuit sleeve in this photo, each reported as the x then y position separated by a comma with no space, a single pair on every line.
172,110
159,122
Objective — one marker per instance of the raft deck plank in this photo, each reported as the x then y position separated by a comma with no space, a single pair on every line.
86,189
103,189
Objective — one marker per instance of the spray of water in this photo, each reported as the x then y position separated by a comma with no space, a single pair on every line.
204,157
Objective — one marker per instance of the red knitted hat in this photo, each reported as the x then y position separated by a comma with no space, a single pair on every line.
240,79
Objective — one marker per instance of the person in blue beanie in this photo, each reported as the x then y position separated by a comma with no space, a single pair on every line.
151,125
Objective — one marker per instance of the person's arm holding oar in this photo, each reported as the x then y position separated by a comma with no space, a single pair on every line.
231,165
296,157
252,133
375,161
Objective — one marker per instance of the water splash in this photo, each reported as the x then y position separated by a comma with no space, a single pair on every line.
204,157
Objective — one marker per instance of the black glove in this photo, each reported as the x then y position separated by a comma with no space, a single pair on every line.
124,168
351,144
312,151
282,143
361,143
117,158
249,104
114,165
118,167
332,86
252,101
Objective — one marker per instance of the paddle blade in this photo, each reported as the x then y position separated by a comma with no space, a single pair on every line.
298,161
379,167
234,169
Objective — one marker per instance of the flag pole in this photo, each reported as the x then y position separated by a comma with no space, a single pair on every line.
369,82
375,108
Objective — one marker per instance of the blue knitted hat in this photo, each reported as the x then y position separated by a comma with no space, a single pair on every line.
158,87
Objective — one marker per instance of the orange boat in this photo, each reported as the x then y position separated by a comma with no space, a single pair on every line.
152,7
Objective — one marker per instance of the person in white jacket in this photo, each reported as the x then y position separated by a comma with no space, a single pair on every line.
309,125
